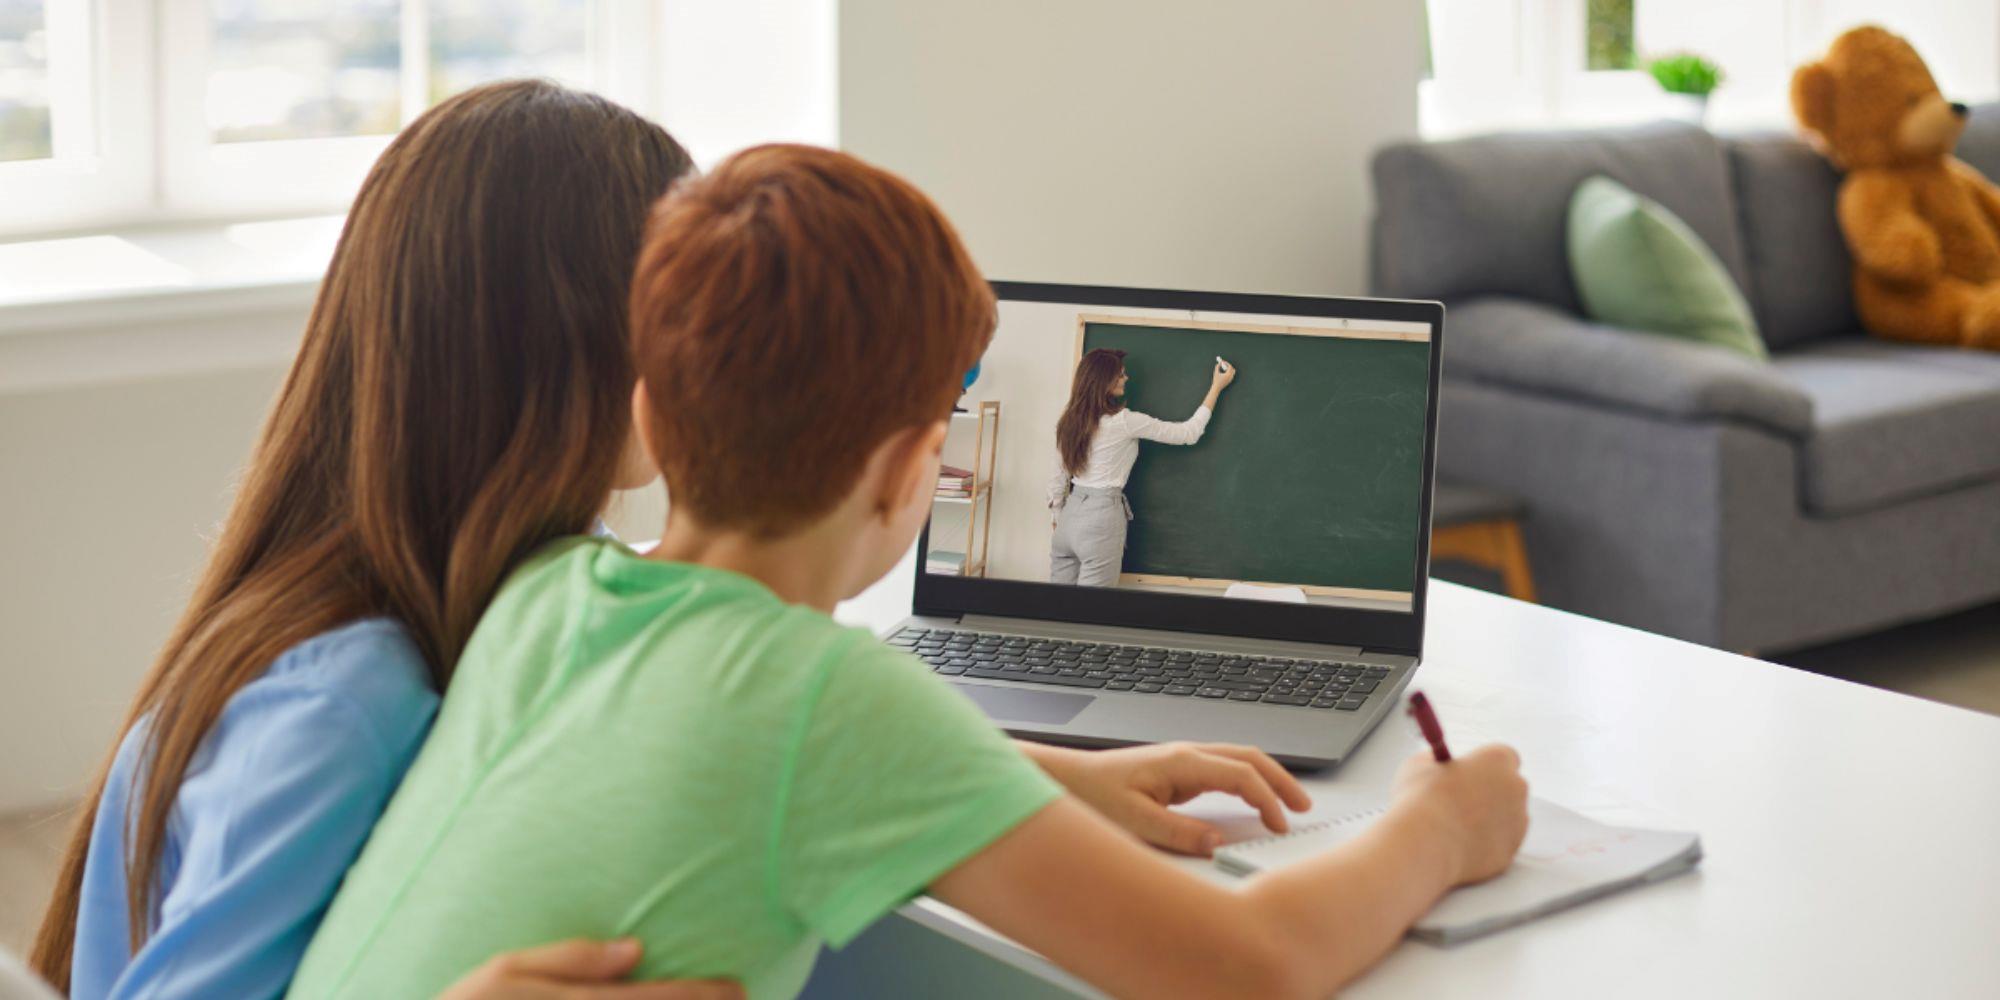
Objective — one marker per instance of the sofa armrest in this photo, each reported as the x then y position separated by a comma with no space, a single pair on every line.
1535,348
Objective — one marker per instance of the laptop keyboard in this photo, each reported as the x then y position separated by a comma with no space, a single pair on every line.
1332,685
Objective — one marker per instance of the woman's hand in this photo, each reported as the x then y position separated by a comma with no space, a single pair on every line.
1133,787
578,970
1225,373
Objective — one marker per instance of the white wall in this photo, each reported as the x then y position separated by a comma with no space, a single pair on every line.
1177,143
119,445
746,72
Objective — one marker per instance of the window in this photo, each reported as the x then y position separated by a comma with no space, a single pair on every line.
115,112
24,81
1561,63
280,70
1608,35
479,41
58,162
279,106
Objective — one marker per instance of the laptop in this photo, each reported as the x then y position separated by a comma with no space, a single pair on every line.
1269,585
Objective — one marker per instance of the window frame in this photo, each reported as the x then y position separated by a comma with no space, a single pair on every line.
133,147
99,122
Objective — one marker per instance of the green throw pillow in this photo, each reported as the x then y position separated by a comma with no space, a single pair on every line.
1639,266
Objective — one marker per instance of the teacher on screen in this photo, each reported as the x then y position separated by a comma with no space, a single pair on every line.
1097,440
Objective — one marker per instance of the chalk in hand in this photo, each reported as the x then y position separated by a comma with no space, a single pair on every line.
1219,363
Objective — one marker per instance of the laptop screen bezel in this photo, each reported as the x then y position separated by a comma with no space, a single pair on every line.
1392,632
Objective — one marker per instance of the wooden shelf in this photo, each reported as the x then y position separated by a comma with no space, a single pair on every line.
978,491
976,520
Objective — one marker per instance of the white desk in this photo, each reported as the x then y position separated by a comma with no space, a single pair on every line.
1852,835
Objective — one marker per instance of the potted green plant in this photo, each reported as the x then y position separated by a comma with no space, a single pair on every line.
1689,76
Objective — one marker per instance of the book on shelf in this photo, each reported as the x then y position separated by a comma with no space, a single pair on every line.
949,563
954,472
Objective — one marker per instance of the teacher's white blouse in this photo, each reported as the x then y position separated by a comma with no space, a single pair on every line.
1115,447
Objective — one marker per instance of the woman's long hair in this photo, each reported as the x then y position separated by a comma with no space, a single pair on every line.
1090,401
461,397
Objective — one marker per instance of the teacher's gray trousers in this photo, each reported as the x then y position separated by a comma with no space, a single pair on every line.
1089,546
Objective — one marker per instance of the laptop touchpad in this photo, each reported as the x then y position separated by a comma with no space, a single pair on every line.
1006,704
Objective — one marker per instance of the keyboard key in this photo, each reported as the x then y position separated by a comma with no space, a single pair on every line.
1232,684
1118,686
1147,688
1081,682
1364,687
1244,696
1286,699
1180,689
1209,692
1325,702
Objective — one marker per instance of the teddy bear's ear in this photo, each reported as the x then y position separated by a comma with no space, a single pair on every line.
1812,97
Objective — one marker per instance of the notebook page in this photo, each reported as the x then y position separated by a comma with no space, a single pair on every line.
1567,858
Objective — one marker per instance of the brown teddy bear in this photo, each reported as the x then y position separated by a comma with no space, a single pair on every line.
1924,228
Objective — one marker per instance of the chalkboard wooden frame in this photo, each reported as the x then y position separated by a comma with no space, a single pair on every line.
1388,631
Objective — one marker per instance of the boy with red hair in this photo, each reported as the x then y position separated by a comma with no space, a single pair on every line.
740,778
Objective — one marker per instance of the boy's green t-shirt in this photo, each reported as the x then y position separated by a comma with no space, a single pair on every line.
671,752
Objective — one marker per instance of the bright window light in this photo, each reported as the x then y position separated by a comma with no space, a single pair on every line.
479,41
304,69
24,81
117,114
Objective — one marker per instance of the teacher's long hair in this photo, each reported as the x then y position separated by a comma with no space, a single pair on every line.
460,398
1090,401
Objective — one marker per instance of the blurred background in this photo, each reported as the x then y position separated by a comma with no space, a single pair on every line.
173,175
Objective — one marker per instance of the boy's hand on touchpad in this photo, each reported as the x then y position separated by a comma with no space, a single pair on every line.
1134,787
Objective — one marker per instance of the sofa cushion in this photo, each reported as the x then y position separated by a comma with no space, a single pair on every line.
1893,421
1639,267
1800,272
1486,215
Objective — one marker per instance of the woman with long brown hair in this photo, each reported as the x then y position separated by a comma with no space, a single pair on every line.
1097,440
460,397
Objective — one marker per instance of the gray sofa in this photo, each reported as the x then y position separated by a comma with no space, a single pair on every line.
1848,485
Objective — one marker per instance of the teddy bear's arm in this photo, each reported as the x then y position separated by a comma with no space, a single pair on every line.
1887,236
1983,192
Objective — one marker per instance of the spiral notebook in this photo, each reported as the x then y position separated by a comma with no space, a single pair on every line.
1567,859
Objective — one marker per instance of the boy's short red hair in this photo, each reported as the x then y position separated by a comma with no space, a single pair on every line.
791,311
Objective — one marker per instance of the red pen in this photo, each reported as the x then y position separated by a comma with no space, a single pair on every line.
1427,720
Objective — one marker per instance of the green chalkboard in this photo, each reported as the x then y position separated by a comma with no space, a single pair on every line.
1310,473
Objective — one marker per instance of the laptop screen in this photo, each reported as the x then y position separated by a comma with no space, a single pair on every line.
1227,452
